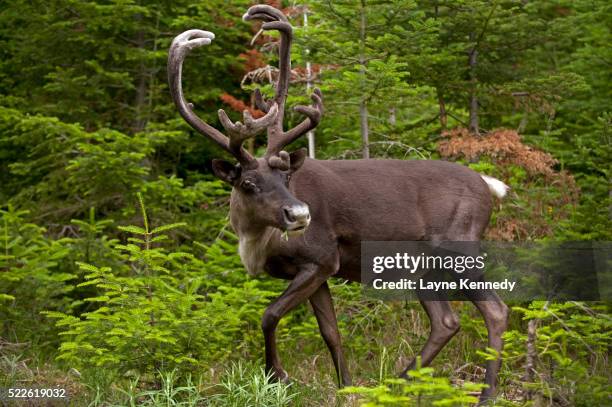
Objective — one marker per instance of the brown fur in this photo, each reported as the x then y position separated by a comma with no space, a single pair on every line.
357,200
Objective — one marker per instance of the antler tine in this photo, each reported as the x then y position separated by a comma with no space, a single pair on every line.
239,132
180,47
260,102
265,13
313,115
274,19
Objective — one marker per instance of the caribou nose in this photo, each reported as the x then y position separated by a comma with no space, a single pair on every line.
296,215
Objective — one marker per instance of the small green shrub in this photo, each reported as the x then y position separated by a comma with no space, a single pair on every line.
34,276
160,309
421,389
570,358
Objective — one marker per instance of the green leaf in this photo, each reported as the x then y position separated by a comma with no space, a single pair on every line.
133,229
168,227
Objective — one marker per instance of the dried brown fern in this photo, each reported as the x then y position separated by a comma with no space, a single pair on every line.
545,197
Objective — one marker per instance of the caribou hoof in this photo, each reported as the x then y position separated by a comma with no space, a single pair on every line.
487,398
279,375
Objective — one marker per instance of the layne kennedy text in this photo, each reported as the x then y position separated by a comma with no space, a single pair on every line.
462,284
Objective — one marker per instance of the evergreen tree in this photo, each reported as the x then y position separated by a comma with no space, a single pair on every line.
364,77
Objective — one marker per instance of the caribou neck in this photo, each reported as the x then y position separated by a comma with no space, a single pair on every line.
253,239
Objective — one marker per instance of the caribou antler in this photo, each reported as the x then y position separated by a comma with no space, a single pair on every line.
274,109
238,132
274,19
313,115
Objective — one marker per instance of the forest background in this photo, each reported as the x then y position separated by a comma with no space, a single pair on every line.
119,275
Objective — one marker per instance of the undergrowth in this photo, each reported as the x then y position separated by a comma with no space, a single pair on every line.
166,323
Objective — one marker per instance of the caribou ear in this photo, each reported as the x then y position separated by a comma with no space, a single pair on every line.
226,171
296,159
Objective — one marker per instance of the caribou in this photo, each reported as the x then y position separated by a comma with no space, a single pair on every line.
303,220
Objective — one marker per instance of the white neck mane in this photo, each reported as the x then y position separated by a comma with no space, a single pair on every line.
253,249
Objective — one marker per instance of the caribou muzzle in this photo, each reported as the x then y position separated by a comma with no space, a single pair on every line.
296,218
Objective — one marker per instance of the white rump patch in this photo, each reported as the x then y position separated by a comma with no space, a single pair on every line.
497,188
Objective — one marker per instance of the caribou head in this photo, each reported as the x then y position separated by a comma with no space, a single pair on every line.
261,191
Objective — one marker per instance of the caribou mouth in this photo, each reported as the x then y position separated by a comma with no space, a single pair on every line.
296,230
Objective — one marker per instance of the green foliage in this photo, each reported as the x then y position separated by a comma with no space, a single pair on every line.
570,343
153,313
48,160
34,276
364,44
104,61
421,389
159,309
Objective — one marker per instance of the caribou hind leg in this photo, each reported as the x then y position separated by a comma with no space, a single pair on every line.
495,314
444,324
323,307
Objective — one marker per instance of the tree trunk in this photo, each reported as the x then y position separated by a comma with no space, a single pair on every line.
523,124
441,103
531,353
140,101
442,107
311,134
474,126
473,61
152,72
363,121
250,143
392,116
363,104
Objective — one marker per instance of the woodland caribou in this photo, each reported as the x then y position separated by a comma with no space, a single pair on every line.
328,207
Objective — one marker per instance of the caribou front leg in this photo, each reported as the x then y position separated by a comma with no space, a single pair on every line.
323,307
304,284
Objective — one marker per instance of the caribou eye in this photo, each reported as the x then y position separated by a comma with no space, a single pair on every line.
249,185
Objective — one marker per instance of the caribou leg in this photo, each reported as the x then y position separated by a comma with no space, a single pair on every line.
323,307
303,286
495,314
444,325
